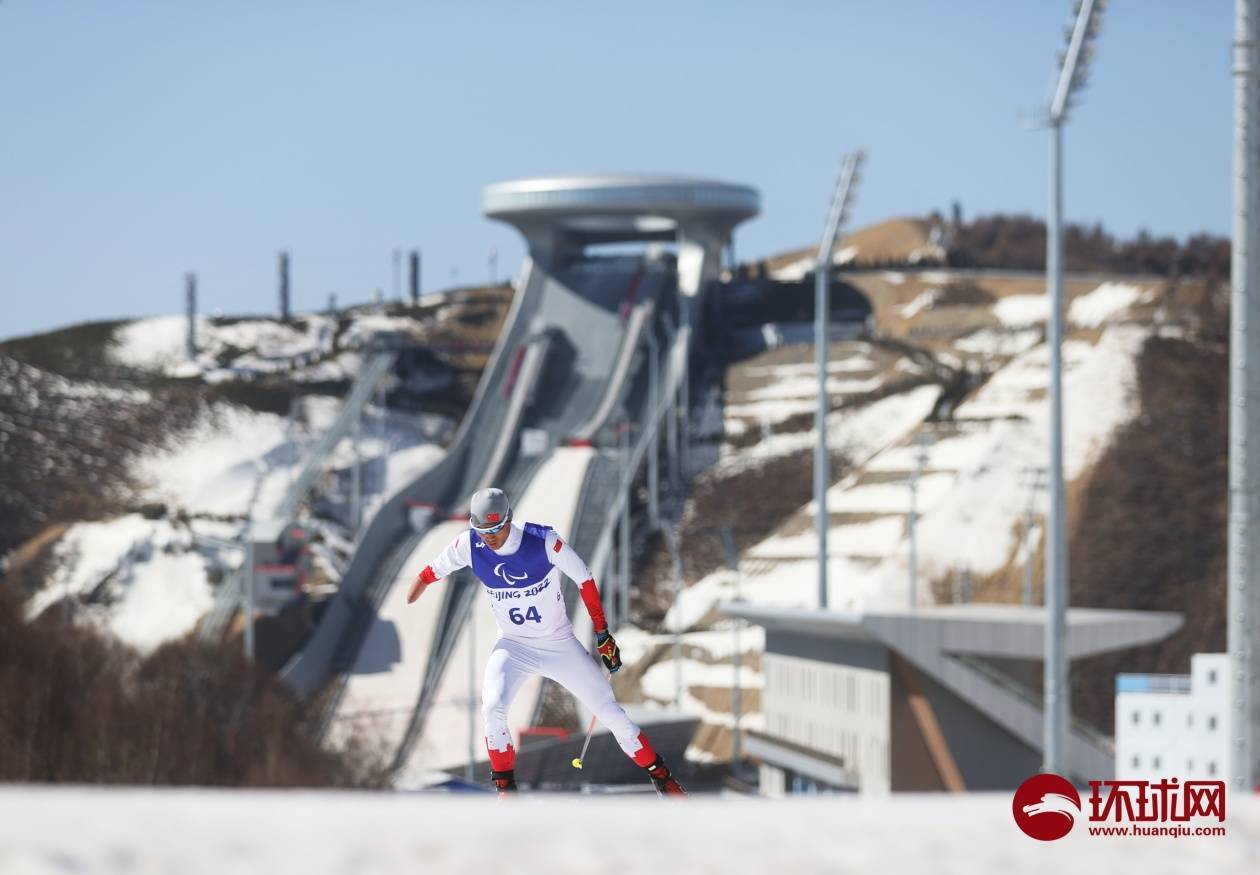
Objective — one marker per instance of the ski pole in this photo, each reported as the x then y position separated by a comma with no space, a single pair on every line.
577,761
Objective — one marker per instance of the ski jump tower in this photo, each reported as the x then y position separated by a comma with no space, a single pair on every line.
560,215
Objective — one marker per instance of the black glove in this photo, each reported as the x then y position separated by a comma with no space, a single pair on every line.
608,651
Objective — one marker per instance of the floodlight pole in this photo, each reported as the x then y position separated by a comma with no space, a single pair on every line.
822,281
1072,74
1056,667
1243,602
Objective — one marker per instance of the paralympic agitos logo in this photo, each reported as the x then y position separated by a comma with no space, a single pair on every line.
1047,807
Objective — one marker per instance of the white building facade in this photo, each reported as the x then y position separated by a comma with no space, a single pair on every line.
1174,726
836,710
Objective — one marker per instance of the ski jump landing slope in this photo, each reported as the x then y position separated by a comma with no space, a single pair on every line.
560,366
49,830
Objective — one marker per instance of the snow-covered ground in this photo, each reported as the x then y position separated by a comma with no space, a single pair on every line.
1104,304
148,581
140,579
50,831
259,345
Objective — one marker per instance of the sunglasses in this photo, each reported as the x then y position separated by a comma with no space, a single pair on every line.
491,529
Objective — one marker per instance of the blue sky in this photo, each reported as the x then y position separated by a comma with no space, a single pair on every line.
142,140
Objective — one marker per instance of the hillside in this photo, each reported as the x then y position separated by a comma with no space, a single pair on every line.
956,372
127,466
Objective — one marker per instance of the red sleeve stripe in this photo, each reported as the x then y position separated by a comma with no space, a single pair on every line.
559,544
590,597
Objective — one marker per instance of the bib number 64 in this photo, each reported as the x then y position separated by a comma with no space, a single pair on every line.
519,619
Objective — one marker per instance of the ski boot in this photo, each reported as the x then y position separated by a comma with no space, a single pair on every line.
664,782
504,782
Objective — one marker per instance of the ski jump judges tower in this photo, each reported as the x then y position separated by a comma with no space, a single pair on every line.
560,215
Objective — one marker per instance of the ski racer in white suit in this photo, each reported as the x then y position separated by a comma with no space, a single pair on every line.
519,568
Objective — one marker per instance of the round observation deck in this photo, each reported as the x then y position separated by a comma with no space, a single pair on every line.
586,209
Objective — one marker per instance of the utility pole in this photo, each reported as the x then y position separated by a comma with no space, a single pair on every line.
845,187
397,274
472,696
190,304
623,548
1073,73
1243,605
671,435
920,461
285,312
249,587
654,443
356,478
1030,511
732,563
675,561
413,275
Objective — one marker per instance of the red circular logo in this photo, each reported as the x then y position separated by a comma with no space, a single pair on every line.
1046,807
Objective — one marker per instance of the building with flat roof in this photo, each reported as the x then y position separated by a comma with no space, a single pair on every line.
1174,726
940,698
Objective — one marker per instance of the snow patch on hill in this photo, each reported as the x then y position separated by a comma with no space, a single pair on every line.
137,579
1102,304
254,345
232,460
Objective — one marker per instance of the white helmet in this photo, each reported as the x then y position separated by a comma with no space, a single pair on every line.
489,510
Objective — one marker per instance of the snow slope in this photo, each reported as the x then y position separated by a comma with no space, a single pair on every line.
231,463
51,831
137,579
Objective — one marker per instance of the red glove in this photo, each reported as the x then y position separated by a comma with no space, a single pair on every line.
423,579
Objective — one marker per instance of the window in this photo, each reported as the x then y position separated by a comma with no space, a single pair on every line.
1155,719
1155,763
1212,676
1189,765
1135,718
1136,761
1212,722
1212,767
1189,719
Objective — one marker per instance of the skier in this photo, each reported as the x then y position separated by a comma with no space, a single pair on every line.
520,567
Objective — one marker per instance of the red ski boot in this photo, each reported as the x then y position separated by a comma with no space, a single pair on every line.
505,782
664,782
